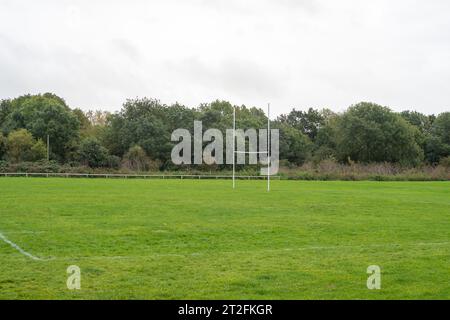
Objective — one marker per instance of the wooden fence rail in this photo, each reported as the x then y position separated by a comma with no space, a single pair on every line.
132,176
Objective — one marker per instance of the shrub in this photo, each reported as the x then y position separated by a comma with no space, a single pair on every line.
136,159
113,162
3,166
18,146
445,162
92,153
38,151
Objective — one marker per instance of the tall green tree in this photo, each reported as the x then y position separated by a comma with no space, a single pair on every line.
419,120
308,122
438,142
5,110
44,115
2,146
219,115
85,123
368,132
325,145
295,146
441,127
147,123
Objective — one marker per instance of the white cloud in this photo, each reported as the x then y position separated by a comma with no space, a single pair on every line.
290,53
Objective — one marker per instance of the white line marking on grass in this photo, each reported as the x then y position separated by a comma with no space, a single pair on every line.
15,246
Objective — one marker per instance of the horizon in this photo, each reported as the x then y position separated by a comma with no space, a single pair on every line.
272,116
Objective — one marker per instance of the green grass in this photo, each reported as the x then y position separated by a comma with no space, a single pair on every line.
190,239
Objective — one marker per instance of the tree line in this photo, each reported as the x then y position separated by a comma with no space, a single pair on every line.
138,136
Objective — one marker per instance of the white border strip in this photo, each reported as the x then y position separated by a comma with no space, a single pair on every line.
15,246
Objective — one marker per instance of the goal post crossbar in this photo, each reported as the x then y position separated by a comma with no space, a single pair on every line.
250,152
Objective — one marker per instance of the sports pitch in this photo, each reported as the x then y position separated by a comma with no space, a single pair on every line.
190,239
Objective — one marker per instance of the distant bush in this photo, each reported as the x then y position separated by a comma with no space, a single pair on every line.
326,170
332,170
445,162
92,153
113,162
41,166
3,166
21,146
136,159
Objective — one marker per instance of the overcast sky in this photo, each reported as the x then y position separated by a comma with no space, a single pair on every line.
292,53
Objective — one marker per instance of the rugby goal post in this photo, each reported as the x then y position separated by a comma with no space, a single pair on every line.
235,152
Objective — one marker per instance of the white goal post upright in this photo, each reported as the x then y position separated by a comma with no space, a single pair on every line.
267,152
268,147
234,145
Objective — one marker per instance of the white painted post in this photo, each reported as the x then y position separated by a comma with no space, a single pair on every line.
268,147
234,147
48,148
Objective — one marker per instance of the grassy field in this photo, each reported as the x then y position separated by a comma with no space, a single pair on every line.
160,239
